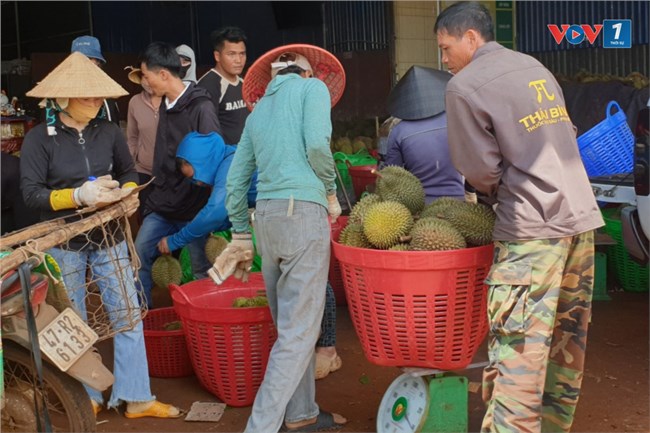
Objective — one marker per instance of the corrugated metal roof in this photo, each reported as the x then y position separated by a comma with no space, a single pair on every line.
597,61
357,25
534,16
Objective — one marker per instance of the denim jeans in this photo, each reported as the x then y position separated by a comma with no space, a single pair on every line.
328,327
130,358
294,242
153,229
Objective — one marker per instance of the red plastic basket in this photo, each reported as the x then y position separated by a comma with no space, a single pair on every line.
166,350
334,276
362,177
229,347
417,309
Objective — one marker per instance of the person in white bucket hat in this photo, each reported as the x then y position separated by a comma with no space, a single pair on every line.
287,139
74,160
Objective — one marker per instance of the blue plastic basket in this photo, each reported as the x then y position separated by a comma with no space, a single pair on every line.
607,147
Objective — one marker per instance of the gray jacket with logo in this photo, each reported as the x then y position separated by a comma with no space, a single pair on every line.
511,137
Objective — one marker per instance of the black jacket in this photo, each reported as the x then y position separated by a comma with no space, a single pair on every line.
68,158
172,195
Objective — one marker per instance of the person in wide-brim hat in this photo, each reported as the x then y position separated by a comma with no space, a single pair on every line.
324,66
287,139
77,159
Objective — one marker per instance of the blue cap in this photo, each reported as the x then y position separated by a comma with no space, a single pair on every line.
89,47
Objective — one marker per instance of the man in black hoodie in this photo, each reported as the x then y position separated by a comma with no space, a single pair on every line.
173,200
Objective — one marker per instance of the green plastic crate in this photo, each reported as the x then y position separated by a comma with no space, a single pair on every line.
342,159
630,275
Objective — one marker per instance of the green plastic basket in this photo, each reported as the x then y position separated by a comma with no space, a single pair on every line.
342,159
631,276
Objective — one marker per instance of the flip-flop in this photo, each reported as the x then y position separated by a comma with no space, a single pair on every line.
324,422
156,410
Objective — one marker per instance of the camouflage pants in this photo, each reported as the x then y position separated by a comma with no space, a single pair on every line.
539,305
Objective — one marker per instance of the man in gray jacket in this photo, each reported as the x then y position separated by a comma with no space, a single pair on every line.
511,137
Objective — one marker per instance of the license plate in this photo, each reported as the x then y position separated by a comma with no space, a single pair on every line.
66,338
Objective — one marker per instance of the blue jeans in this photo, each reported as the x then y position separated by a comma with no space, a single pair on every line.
295,250
153,229
130,358
328,327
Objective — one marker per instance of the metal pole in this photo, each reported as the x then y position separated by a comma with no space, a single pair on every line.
90,17
17,29
438,49
323,18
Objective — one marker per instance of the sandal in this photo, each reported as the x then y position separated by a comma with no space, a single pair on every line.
326,365
96,407
324,422
156,410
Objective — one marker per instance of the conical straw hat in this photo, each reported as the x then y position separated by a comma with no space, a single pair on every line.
77,77
419,94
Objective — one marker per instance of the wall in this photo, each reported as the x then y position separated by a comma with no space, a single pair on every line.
415,42
535,39
414,39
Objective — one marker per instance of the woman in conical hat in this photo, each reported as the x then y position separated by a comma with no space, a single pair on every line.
78,159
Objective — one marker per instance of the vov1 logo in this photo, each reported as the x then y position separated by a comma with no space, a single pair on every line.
616,33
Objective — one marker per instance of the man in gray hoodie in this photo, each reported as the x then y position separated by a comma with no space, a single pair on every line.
511,137
188,63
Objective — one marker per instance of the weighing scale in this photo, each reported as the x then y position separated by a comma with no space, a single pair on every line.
425,401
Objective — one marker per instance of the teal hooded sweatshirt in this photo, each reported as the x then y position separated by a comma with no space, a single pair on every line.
287,138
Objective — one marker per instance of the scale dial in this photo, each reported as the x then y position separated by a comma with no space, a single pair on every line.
404,406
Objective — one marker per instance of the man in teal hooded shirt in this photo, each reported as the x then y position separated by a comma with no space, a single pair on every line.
286,138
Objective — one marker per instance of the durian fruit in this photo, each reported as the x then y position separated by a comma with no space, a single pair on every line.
434,234
399,247
358,145
341,142
474,221
366,140
214,246
173,326
255,301
386,223
421,221
398,184
438,206
166,270
352,236
359,210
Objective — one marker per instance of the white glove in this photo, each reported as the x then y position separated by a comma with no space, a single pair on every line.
101,190
470,197
236,259
333,207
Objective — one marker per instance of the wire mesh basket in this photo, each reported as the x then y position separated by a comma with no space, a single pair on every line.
96,263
